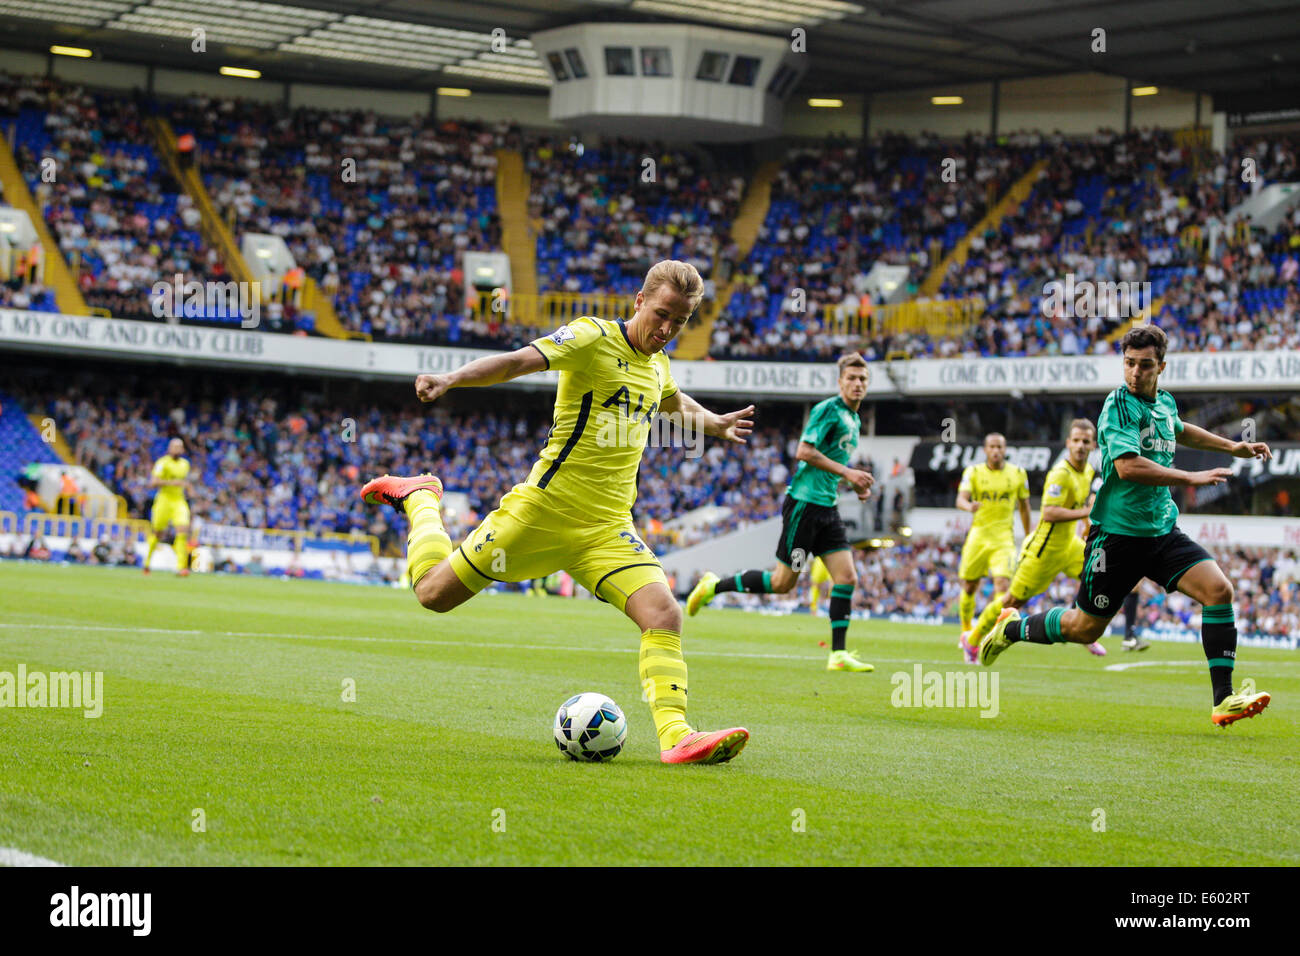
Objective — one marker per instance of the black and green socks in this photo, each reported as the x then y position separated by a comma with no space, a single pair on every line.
841,605
1130,615
1219,638
1042,628
751,582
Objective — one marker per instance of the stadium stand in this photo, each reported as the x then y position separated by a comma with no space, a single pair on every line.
119,220
269,455
387,247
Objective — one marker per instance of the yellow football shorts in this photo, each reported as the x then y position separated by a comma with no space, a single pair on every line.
985,555
167,513
820,573
1035,572
526,538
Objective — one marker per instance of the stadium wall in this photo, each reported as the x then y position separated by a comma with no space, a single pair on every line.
527,111
118,76
221,347
184,82
22,61
383,102
1073,103
812,122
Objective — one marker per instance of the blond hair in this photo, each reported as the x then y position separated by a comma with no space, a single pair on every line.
683,277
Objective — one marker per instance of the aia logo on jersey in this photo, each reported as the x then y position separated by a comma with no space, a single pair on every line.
993,496
623,399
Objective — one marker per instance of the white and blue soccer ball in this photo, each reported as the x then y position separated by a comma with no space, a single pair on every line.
590,727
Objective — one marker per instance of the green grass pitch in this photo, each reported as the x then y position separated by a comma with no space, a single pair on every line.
225,695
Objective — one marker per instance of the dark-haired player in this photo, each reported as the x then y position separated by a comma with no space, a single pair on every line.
1134,534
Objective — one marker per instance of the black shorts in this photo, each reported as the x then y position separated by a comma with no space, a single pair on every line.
1114,563
808,531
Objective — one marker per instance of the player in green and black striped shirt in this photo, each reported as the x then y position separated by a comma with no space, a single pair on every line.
1134,534
810,520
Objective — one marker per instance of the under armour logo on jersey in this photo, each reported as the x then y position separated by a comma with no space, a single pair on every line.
623,365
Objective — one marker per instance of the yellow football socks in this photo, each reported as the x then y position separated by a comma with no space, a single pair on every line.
182,548
988,617
153,543
966,609
427,545
663,676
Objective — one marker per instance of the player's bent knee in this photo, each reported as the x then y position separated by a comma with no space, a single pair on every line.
1076,624
432,597
669,620
783,579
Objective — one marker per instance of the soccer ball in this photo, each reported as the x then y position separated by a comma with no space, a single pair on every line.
590,727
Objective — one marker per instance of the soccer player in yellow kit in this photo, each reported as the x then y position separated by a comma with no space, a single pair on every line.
169,506
1054,547
573,512
817,577
991,491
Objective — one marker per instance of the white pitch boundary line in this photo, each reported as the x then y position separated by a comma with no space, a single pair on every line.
11,856
1124,667
406,640
694,652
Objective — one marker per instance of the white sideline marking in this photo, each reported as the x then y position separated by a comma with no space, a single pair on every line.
693,652
425,641
10,856
1124,667
403,640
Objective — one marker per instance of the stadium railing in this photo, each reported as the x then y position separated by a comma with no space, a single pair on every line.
942,317
549,309
137,529
76,526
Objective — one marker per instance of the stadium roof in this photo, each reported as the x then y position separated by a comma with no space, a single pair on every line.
1216,46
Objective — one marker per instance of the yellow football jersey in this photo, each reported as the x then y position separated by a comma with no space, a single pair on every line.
171,469
609,393
1064,488
997,492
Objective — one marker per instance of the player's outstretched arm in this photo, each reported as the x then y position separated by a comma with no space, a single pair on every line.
861,481
732,426
1143,471
1194,436
1055,513
489,370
